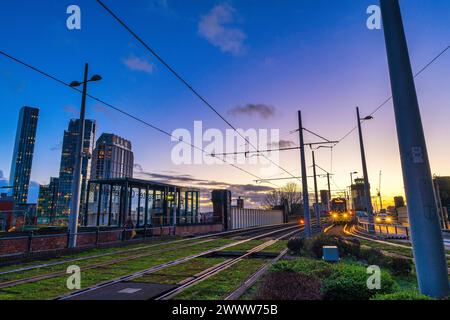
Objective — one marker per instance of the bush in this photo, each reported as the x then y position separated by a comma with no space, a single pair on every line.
349,282
314,268
315,245
373,256
399,266
288,285
402,295
296,245
349,247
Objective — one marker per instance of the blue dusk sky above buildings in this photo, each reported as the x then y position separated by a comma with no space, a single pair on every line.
313,55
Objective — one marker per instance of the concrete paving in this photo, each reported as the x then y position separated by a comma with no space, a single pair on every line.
126,291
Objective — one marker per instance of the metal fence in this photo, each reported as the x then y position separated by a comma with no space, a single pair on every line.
247,218
389,230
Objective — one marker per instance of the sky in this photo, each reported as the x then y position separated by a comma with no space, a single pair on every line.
257,62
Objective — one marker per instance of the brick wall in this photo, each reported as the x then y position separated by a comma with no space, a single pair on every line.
19,246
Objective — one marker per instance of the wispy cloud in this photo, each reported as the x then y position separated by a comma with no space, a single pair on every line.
57,146
214,27
70,109
284,144
139,64
263,110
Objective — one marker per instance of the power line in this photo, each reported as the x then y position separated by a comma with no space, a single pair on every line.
183,81
390,98
123,112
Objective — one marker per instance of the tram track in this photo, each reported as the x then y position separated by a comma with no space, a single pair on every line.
144,247
143,253
175,262
221,267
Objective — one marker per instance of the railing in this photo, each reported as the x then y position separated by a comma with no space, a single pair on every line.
389,230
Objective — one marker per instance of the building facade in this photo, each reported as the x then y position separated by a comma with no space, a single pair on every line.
112,158
22,159
48,196
69,146
358,195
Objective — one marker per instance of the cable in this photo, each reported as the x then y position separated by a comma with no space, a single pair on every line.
123,112
183,81
390,98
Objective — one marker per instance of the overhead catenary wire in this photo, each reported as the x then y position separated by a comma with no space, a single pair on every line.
418,73
184,81
109,105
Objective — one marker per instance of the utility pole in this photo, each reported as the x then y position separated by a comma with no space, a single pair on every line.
329,190
379,192
304,175
369,208
426,234
316,193
76,182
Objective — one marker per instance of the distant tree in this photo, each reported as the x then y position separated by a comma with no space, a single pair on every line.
289,193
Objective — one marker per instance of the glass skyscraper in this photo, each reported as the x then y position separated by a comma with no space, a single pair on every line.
112,158
22,160
68,162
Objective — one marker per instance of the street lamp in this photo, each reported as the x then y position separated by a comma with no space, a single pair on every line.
76,182
365,175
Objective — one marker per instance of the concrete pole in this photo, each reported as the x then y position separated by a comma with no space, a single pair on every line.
316,193
76,182
368,198
304,175
426,235
329,191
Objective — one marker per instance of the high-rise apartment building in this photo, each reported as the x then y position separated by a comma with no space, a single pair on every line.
48,196
112,158
69,146
22,159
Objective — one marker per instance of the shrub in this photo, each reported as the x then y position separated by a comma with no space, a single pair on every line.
349,247
399,266
296,245
349,282
373,256
310,267
315,245
401,295
288,285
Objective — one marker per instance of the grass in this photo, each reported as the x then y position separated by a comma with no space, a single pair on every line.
51,288
176,274
88,262
220,285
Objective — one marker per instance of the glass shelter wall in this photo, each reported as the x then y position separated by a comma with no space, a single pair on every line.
135,203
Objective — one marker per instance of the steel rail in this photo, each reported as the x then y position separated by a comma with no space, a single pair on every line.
221,267
165,265
144,247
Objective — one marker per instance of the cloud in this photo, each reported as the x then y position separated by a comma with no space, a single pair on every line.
139,64
70,109
57,146
214,28
283,144
262,110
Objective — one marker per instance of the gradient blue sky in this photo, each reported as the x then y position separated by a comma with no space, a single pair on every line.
316,55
